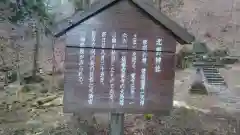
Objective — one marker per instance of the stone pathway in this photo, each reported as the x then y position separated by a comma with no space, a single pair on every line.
213,80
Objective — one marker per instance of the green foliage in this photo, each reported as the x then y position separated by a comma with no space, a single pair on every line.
200,48
17,15
148,116
20,10
220,52
25,89
184,58
12,76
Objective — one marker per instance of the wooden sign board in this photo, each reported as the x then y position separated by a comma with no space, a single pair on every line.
119,63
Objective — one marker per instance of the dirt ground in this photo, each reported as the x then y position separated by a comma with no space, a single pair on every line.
25,114
228,100
215,22
192,113
28,113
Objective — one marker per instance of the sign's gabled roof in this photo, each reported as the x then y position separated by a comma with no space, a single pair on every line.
180,33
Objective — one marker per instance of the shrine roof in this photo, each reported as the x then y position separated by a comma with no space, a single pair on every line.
179,33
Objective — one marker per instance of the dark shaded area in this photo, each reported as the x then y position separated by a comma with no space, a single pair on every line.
200,48
184,58
219,53
31,79
12,76
229,60
198,88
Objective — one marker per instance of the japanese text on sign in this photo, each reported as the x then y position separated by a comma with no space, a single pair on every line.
125,75
158,55
123,70
143,72
81,58
102,57
112,69
92,69
134,59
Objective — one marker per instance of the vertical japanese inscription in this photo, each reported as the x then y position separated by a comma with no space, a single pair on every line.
158,58
123,70
143,72
112,69
92,69
81,58
102,57
133,61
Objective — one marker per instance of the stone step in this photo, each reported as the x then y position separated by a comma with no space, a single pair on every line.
211,73
215,79
215,82
210,68
214,73
229,60
207,60
207,65
203,63
211,76
220,84
201,66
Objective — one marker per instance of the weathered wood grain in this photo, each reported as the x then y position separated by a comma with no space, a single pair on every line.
159,86
120,18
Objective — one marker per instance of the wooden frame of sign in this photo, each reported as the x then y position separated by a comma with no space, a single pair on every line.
120,58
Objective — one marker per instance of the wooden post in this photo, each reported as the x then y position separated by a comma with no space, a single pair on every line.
157,4
117,124
238,126
36,50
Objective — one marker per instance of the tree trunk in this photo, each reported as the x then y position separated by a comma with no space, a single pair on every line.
5,74
158,4
85,4
36,50
3,61
52,84
18,67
